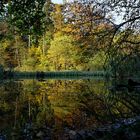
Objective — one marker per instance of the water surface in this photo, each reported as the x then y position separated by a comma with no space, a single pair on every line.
50,108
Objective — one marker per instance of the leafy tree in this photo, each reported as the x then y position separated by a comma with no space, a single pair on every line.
2,6
28,17
58,19
62,52
103,13
86,23
12,52
3,30
33,59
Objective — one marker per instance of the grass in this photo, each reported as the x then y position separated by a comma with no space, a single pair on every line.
53,74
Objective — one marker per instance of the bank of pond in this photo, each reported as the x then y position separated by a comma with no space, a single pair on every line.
51,74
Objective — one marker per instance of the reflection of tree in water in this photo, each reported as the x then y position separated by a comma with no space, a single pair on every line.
9,93
58,104
72,102
35,104
99,105
125,102
31,108
46,112
92,103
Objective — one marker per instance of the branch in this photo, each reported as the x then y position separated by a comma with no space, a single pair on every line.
131,42
130,20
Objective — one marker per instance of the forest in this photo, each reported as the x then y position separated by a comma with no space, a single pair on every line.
70,71
78,35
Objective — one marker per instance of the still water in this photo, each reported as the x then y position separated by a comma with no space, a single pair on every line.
48,109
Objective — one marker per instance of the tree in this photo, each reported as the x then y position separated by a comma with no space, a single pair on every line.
62,52
58,19
12,52
2,6
48,9
87,25
105,13
27,16
32,61
126,46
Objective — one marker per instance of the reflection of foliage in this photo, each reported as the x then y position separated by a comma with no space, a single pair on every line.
126,102
6,97
71,103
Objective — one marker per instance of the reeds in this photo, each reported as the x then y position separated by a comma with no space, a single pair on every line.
58,74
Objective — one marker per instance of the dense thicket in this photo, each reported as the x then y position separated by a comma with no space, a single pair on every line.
80,35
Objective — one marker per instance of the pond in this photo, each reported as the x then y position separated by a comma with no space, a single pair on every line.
51,109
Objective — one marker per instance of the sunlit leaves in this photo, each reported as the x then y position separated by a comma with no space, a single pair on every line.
61,52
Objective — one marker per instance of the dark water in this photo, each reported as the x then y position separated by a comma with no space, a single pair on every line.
48,109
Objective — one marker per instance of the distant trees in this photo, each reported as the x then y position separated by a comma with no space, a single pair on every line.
124,50
121,41
29,18
80,35
62,52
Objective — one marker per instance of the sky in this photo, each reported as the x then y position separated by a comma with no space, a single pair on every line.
118,19
57,1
